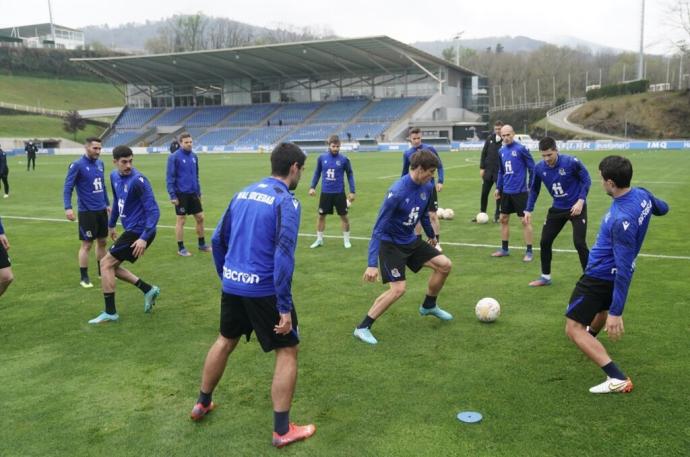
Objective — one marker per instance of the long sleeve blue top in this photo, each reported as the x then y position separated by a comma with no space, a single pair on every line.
182,174
406,202
87,175
255,240
567,181
332,170
136,206
619,240
516,163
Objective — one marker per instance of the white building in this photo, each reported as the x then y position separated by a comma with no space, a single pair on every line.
46,36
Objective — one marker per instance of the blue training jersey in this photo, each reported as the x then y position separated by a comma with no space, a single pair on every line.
408,153
136,206
332,169
620,238
406,202
182,174
87,175
255,240
567,181
516,162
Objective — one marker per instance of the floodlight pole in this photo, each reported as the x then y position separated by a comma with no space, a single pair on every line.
52,26
457,47
640,63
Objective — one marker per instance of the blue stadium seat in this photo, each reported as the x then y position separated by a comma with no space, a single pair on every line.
134,118
314,132
208,116
220,137
173,116
340,111
262,136
293,113
249,115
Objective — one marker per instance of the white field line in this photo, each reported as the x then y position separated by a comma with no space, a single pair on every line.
363,238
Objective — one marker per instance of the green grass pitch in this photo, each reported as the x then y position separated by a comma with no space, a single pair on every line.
126,389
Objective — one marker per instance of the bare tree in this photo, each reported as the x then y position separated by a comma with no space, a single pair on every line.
73,122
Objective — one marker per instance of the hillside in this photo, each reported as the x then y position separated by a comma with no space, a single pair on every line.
59,94
34,126
652,115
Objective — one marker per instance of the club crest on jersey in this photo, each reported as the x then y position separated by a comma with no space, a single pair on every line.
390,194
514,153
561,171
337,162
423,196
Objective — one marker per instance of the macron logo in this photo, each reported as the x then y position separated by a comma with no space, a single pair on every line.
239,276
626,224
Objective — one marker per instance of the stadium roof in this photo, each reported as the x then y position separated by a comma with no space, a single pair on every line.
317,60
34,30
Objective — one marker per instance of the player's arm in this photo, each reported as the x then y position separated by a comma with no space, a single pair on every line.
198,181
350,178
659,206
529,164
623,238
70,180
3,238
482,158
532,196
315,178
284,257
382,220
499,179
115,211
425,220
439,170
150,208
406,164
220,240
170,179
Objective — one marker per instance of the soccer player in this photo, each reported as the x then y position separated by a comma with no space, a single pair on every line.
4,172
331,166
599,296
138,212
488,168
31,150
568,182
182,180
6,276
87,175
416,145
394,244
511,187
254,253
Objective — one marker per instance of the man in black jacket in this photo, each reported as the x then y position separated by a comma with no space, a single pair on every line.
488,167
31,150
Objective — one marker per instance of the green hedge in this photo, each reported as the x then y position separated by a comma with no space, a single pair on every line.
612,90
48,62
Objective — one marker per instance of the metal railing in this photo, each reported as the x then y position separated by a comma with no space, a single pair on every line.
566,105
522,106
33,109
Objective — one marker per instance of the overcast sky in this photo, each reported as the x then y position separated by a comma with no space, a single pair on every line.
614,23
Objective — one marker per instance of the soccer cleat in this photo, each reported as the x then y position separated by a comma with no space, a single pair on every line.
365,335
347,244
542,281
184,252
150,298
316,244
295,433
501,253
104,317
86,284
205,248
199,411
436,312
438,247
6,196
528,256
613,385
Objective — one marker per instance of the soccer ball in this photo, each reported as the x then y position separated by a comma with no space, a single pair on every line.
482,218
487,309
441,213
449,214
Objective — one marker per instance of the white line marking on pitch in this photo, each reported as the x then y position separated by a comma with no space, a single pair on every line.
362,238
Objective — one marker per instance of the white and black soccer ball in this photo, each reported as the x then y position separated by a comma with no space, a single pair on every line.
482,218
487,309
449,214
441,213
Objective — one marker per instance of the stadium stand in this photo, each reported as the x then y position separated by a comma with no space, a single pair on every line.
360,131
174,116
313,132
249,115
294,113
209,116
220,137
118,137
340,111
135,118
263,136
388,109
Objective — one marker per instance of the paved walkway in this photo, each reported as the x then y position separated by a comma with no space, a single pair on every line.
560,120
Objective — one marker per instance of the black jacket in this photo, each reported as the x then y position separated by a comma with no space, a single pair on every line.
31,149
4,170
490,158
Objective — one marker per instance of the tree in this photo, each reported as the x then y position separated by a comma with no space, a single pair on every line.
73,122
448,54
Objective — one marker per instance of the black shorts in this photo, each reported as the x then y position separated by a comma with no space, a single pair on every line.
328,201
188,204
93,225
394,257
514,203
433,203
242,315
590,297
122,248
4,258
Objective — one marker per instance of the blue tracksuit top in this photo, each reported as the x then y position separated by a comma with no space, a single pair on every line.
567,182
89,178
408,153
516,161
619,240
405,203
255,240
136,206
331,169
182,175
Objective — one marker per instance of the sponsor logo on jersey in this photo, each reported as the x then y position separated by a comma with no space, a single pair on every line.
240,276
256,196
